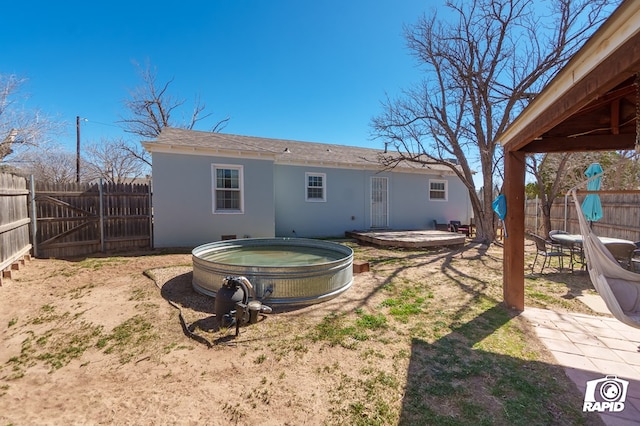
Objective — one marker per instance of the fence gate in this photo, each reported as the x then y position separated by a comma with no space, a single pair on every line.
75,219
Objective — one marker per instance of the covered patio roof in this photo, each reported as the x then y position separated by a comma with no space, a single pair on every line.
591,105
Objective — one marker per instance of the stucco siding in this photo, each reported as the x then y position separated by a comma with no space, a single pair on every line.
344,208
411,207
183,200
458,205
348,202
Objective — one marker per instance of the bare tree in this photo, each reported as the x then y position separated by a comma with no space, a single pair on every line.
52,165
556,173
552,180
621,170
482,62
20,129
151,108
112,161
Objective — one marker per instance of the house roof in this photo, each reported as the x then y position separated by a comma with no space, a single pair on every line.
588,106
281,151
591,103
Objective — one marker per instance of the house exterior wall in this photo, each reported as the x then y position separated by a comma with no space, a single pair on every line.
183,191
345,207
412,208
457,207
348,201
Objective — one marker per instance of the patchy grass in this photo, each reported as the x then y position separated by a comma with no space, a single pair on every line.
470,361
429,344
58,338
55,346
96,263
128,339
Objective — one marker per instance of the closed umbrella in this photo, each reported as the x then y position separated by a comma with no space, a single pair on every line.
591,206
500,207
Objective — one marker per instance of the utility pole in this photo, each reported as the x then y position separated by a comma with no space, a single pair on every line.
77,148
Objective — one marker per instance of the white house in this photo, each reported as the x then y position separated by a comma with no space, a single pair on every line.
213,186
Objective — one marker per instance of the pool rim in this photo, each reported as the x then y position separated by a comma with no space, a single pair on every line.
341,265
298,242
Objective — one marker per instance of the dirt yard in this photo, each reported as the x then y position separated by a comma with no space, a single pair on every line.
99,341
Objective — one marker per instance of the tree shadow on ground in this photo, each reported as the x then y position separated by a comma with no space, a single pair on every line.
459,379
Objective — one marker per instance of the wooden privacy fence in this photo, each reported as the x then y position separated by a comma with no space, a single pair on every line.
14,222
76,219
621,216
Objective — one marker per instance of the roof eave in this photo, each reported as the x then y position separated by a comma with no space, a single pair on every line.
164,148
621,29
153,147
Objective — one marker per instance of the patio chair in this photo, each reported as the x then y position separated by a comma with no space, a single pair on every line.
574,250
457,226
548,252
555,244
440,226
623,253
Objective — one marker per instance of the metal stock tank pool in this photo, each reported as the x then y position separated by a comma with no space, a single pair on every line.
291,271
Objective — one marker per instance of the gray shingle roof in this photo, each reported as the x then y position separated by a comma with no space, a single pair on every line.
283,151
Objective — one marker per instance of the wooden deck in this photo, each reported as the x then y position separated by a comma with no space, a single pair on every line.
409,239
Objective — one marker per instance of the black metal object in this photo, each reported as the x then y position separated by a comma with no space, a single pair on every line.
232,292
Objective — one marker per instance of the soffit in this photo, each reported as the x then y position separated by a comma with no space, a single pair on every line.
591,104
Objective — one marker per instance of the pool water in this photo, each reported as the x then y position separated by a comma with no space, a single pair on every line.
267,256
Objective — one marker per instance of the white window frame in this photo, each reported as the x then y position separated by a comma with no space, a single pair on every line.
307,175
240,189
446,189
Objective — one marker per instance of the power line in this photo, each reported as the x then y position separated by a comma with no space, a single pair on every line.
105,124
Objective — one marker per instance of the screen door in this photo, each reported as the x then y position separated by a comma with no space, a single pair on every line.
379,202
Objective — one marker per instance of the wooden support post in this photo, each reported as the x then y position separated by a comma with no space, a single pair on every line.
513,266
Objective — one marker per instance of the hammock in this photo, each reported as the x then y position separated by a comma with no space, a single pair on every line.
619,287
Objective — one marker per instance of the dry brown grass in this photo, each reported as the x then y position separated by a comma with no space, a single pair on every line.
421,339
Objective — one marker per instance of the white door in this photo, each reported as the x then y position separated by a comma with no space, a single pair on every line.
379,202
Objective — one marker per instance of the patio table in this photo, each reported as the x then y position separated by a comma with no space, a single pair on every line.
577,239
574,241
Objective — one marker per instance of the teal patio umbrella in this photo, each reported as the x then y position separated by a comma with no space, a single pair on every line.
591,206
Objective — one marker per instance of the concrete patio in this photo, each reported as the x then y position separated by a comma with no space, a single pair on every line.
593,347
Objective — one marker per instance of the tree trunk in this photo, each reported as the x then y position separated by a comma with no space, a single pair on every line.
483,212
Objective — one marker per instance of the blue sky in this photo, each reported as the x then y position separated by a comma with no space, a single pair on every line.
303,70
